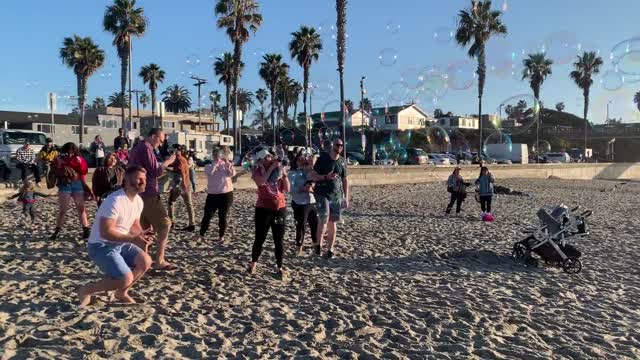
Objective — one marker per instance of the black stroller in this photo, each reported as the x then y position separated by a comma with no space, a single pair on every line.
549,240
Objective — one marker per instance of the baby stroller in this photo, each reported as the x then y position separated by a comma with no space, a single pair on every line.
549,240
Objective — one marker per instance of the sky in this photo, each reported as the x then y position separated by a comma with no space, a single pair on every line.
403,47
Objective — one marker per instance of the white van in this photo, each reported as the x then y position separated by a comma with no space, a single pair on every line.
558,157
13,139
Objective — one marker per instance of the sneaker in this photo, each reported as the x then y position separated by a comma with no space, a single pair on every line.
55,234
85,233
318,250
190,228
329,254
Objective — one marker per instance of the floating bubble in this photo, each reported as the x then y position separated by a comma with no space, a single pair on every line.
412,77
31,83
322,90
388,57
625,55
259,53
438,138
517,113
443,35
427,100
612,80
543,147
397,92
326,28
460,75
247,164
498,146
192,61
561,47
392,27
435,80
288,137
459,141
505,6
378,100
215,54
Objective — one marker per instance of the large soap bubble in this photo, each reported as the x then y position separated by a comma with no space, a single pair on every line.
517,114
498,146
438,138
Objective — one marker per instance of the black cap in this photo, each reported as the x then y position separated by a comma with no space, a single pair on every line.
49,140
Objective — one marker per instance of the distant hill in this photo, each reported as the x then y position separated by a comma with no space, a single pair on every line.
550,117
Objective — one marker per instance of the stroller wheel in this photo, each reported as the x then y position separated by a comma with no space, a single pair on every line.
519,251
571,265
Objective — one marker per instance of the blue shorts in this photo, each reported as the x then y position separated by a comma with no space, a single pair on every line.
75,187
115,261
329,207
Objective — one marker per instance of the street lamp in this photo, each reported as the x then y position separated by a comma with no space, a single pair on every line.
362,92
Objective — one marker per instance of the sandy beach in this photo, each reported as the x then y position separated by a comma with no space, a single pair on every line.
406,283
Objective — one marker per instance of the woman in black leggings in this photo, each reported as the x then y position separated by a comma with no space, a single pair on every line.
220,193
272,181
303,202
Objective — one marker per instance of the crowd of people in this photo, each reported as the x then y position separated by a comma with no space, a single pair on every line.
132,216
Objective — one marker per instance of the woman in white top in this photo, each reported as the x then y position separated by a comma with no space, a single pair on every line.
220,192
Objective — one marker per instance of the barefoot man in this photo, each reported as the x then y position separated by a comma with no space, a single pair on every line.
117,240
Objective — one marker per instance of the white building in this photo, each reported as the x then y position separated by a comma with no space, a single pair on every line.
404,117
459,122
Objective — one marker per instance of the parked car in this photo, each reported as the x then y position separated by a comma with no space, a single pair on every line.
452,158
504,161
487,160
558,157
416,156
439,159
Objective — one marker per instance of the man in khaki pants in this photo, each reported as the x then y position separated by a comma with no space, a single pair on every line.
154,213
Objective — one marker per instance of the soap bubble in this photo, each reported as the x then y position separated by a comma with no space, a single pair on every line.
192,61
288,137
625,55
543,147
327,28
517,113
388,57
438,138
435,80
392,27
459,141
397,92
461,75
612,80
412,77
443,35
561,47
322,90
498,146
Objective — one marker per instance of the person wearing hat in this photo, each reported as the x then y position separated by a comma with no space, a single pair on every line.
46,156
272,181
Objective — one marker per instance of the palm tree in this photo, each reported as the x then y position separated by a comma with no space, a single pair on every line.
214,97
177,99
117,99
585,67
239,18
341,43
245,103
98,103
271,70
123,20
296,89
144,100
288,94
560,106
223,68
636,99
305,47
85,58
536,68
261,96
366,105
152,74
349,105
477,25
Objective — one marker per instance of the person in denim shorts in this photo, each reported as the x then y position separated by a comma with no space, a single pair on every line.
118,243
331,193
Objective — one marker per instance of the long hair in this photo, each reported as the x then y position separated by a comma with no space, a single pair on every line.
482,169
70,148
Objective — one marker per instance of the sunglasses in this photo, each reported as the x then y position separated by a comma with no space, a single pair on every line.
339,145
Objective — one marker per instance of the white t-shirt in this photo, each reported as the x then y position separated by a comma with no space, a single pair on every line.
120,208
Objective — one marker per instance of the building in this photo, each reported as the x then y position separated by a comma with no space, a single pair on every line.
458,122
404,117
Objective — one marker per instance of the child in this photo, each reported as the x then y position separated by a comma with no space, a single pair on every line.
27,196
485,185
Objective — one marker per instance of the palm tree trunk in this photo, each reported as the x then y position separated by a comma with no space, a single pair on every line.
586,111
262,117
83,96
226,117
237,58
304,102
341,23
123,53
482,70
536,105
273,111
153,104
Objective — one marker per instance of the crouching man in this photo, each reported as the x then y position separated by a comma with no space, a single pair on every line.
118,244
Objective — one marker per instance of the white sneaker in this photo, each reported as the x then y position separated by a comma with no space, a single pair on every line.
482,215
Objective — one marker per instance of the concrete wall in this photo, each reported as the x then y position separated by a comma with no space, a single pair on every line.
379,175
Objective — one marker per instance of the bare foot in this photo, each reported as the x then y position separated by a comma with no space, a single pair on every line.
123,297
221,240
252,268
85,299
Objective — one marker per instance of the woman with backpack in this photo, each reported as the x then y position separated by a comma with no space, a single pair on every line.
458,190
71,170
485,187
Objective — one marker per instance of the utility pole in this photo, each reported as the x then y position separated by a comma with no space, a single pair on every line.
130,81
199,83
310,128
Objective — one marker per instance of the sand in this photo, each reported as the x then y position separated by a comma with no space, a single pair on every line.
407,283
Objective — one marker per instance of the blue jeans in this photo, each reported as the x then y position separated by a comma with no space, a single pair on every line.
75,187
114,260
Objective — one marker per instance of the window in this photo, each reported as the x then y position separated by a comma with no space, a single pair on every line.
75,130
46,128
17,137
109,124
168,124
